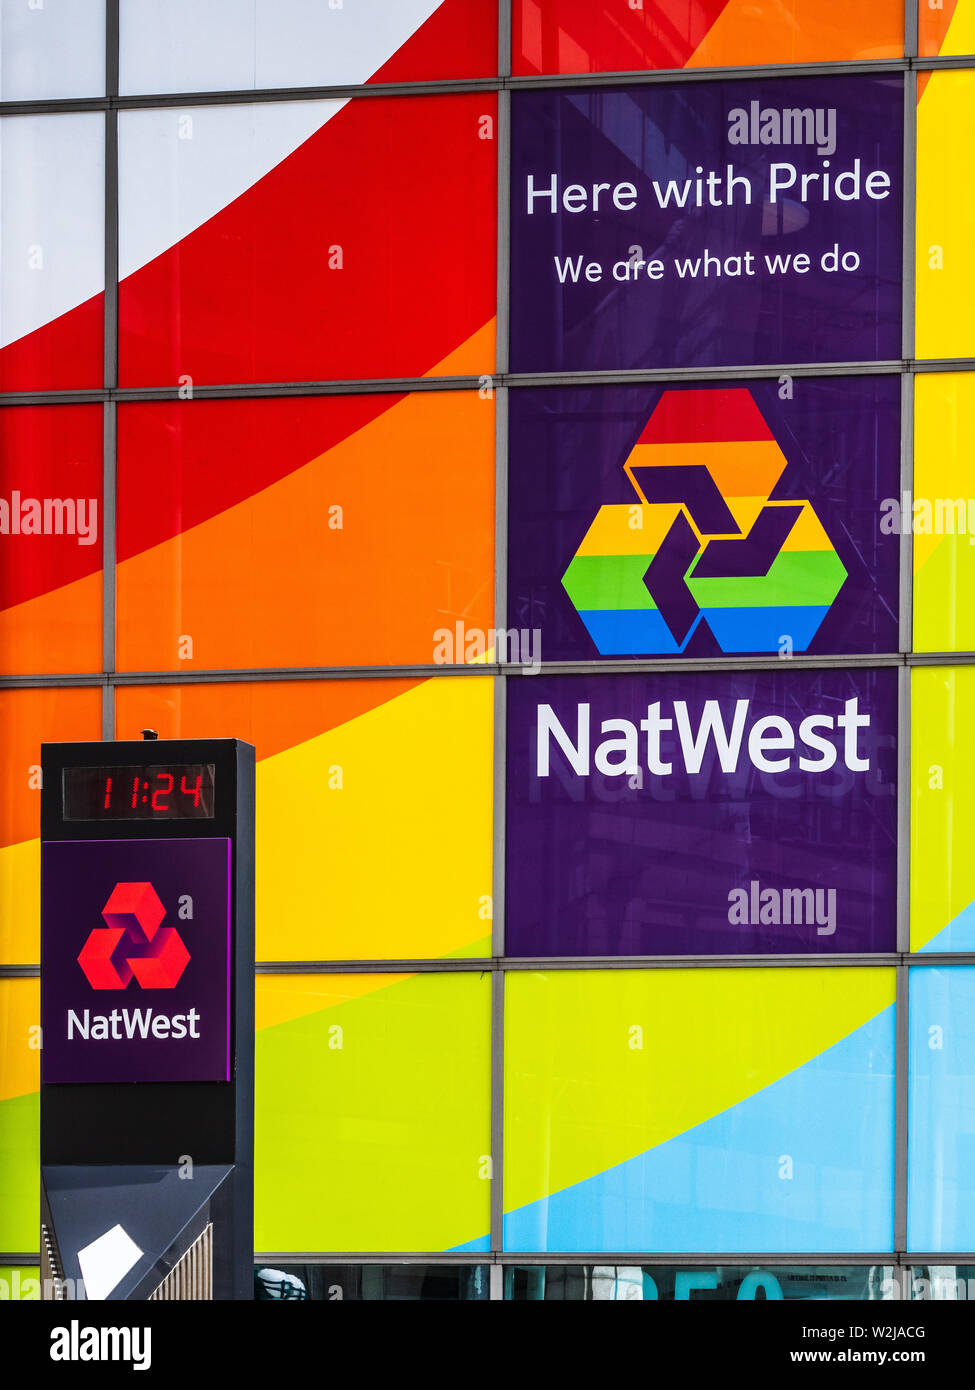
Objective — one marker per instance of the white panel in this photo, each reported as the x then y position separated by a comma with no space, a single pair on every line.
52,254
237,45
51,48
179,167
106,1261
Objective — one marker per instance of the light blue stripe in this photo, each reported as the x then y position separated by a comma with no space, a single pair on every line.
941,1109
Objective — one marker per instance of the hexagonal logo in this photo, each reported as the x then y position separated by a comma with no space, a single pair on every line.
704,541
133,911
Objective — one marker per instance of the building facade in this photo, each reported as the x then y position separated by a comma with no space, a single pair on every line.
543,428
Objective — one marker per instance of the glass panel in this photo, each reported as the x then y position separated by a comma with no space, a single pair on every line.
555,36
945,216
707,224
945,28
704,520
373,1112
29,718
244,256
942,809
326,531
699,1110
411,1283
941,1119
52,49
710,1284
20,1052
50,539
52,254
721,813
351,774
230,45
941,513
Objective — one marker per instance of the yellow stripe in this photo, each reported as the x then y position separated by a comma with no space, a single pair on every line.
374,839
20,1055
20,903
621,529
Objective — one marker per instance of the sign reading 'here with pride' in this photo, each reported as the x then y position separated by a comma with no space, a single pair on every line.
706,224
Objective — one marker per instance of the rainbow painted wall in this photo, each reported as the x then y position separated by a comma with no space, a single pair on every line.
291,416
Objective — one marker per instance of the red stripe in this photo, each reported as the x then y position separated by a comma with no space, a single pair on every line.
51,451
579,36
62,355
460,39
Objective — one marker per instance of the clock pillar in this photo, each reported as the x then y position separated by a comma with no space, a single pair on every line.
147,1011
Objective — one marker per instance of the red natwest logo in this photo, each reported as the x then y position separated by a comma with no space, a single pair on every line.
134,911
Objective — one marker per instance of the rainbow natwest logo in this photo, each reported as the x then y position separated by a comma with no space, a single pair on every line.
704,543
134,911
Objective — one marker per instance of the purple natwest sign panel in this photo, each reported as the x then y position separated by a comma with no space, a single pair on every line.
135,960
725,814
707,519
707,224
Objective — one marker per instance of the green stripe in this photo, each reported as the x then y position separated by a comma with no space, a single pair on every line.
796,578
608,581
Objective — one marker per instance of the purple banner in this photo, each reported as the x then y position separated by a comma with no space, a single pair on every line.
707,224
135,956
705,520
736,813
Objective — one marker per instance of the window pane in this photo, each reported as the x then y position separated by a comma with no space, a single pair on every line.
658,226
50,539
945,28
647,814
554,36
19,1113
942,512
230,45
941,1121
351,774
945,216
373,1112
326,531
683,1110
29,718
373,1283
53,49
615,493
712,1284
52,254
243,256
942,809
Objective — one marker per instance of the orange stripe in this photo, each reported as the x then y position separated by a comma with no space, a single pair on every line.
57,631
801,31
29,718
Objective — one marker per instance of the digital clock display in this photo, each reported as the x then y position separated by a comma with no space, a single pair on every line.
159,791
